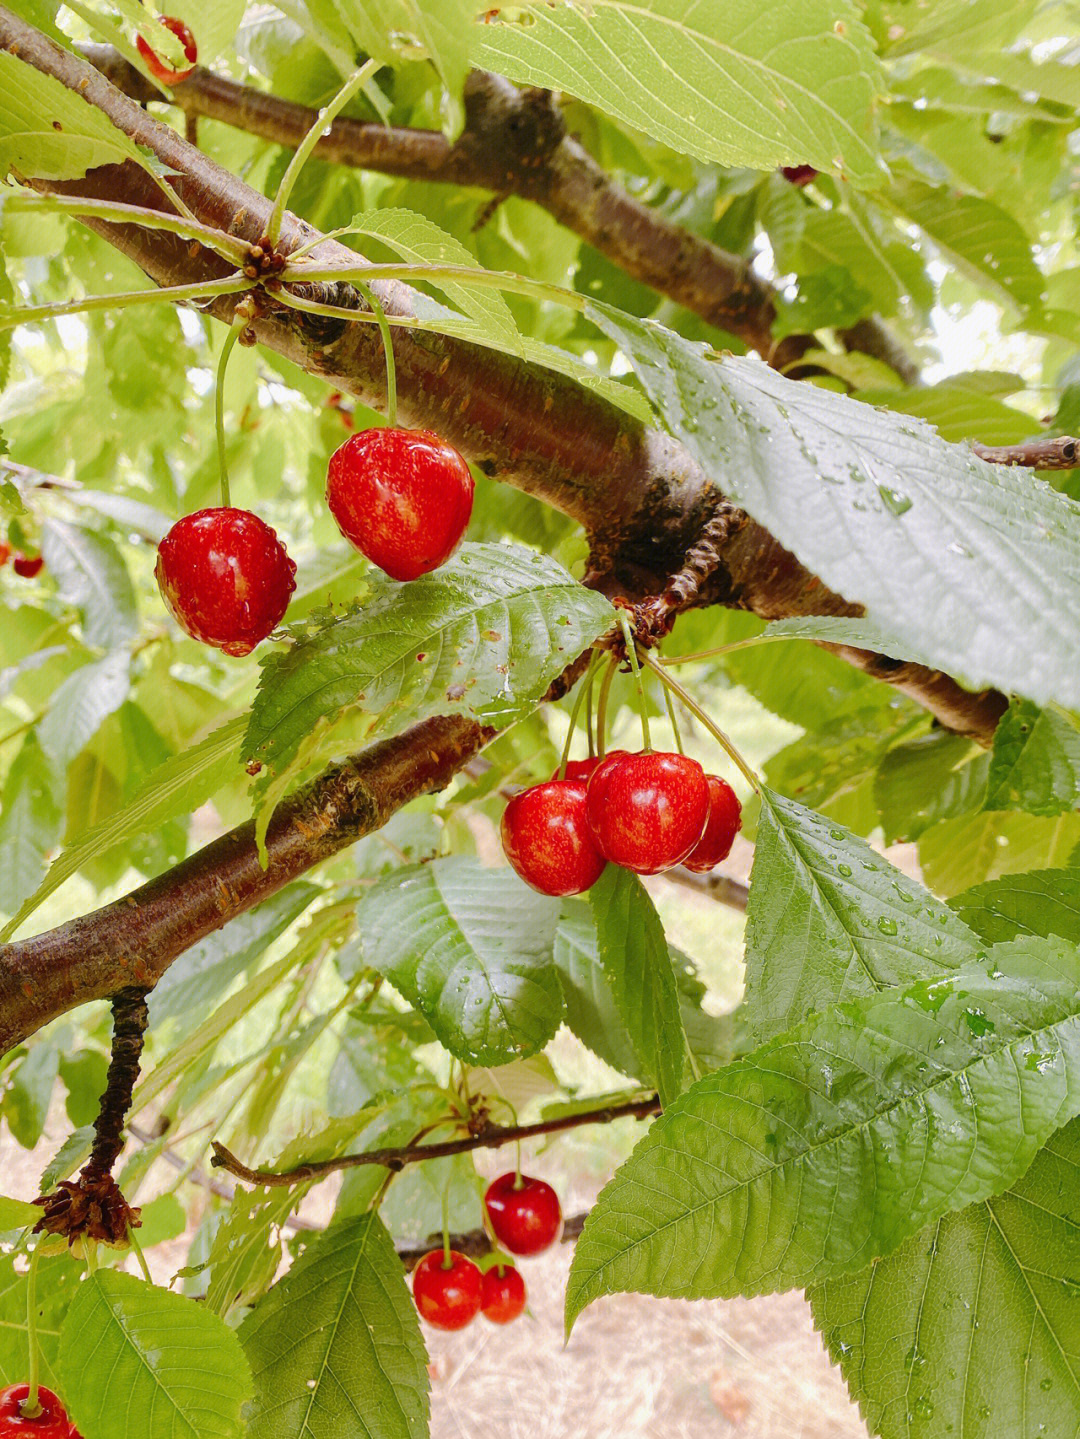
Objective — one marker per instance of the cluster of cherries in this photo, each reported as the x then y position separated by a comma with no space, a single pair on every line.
450,1290
26,566
402,497
646,812
50,1421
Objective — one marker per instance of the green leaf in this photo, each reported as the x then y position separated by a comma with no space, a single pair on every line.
192,986
753,87
1036,761
471,948
91,575
934,777
51,133
176,787
972,1326
998,1283
81,705
419,240
1043,902
633,953
30,823
57,1282
141,1363
17,1213
830,1146
484,635
403,29
921,532
335,1346
959,853
975,234
591,1013
829,918
29,1092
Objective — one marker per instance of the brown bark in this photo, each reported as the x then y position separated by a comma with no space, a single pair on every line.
515,143
131,943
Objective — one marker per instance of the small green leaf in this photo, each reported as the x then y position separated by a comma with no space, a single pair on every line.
933,777
30,823
828,918
1036,761
1043,902
91,575
974,848
17,1213
484,635
175,787
633,953
335,1346
831,1145
140,1363
49,131
471,948
81,705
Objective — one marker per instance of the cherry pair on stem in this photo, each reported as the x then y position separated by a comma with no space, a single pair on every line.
525,1218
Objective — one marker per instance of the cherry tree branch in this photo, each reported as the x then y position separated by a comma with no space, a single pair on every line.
515,142
492,1136
475,1243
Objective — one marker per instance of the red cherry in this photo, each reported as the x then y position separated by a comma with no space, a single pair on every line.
160,71
721,827
447,1298
502,1296
402,497
225,577
27,565
579,768
51,1423
647,811
525,1214
546,837
799,175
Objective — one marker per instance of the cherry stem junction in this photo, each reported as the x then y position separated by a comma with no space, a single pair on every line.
584,689
388,350
631,655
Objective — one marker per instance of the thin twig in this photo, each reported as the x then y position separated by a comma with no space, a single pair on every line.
493,1136
1059,453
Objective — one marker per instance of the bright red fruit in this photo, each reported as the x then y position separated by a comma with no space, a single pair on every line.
725,815
160,71
447,1298
5,553
546,837
524,1213
402,497
647,811
51,1423
226,577
502,1296
27,565
799,175
579,768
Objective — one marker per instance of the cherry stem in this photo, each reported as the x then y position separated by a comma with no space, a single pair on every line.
30,1407
171,294
388,350
602,704
217,240
670,703
723,649
459,274
695,709
303,152
589,731
140,1256
447,1263
582,691
631,655
235,330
